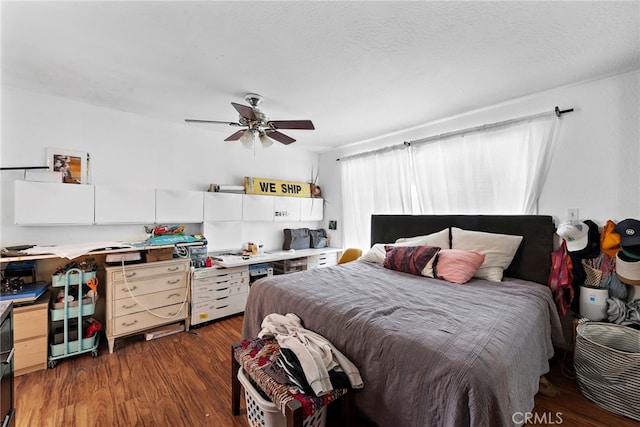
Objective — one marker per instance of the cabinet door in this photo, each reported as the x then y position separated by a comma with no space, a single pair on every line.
45,203
311,209
257,208
124,205
179,206
286,208
222,207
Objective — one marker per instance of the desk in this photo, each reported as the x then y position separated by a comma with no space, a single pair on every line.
237,261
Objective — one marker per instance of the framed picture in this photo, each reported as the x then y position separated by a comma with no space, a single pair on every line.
72,164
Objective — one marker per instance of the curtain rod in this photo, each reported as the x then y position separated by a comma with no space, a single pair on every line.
556,110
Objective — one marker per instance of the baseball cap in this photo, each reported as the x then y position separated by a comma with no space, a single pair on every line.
575,234
629,231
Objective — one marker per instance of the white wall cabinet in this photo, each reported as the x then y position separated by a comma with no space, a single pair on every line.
257,208
311,209
222,206
124,205
286,208
44,203
179,206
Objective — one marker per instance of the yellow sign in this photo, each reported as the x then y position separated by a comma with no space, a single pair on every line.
275,187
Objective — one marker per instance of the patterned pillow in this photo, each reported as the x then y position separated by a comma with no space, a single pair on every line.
457,266
416,260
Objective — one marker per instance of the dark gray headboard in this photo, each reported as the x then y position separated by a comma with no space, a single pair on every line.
531,262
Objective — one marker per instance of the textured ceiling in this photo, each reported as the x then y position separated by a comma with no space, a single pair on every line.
357,69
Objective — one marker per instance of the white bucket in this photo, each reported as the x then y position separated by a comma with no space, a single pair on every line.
593,303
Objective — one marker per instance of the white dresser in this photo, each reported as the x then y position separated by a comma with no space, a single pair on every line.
145,296
218,292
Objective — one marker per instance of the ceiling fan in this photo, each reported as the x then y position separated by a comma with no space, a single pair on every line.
258,125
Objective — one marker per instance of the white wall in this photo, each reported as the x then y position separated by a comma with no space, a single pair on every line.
596,165
133,150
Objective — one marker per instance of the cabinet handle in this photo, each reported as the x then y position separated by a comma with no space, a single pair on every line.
173,268
173,295
9,357
129,306
173,282
133,288
130,274
129,324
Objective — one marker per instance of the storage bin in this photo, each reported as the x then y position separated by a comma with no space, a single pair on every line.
60,349
59,280
58,313
607,363
263,413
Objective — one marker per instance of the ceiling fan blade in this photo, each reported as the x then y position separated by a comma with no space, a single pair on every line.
212,121
292,124
235,136
245,111
280,137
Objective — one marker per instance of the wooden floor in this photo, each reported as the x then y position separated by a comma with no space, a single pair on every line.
184,380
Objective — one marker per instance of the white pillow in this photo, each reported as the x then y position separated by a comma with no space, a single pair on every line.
439,239
499,250
377,251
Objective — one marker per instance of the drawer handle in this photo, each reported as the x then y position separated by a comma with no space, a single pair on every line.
173,268
128,306
221,307
173,282
173,295
129,324
173,313
6,362
221,289
223,281
133,288
130,274
221,298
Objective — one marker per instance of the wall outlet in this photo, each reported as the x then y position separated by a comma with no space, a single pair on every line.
333,225
572,214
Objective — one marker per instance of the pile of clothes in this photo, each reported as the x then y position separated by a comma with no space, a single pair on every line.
307,360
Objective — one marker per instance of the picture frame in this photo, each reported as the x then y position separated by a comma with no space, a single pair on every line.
72,163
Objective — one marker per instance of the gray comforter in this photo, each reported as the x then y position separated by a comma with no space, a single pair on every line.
431,353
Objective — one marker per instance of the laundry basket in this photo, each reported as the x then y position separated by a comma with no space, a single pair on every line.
607,363
263,413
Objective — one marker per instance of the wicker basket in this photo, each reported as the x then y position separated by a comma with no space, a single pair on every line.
263,413
607,362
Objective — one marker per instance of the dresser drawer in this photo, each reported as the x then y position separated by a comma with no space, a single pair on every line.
142,271
211,292
205,273
209,310
148,286
127,306
31,352
144,320
30,322
241,277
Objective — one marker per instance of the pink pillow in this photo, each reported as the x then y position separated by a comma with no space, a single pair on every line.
456,265
416,260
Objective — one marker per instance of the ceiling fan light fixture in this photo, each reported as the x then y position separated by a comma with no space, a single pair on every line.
247,139
265,140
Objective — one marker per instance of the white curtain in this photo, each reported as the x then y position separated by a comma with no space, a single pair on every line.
500,170
375,183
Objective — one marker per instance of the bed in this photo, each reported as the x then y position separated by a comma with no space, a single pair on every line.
430,352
